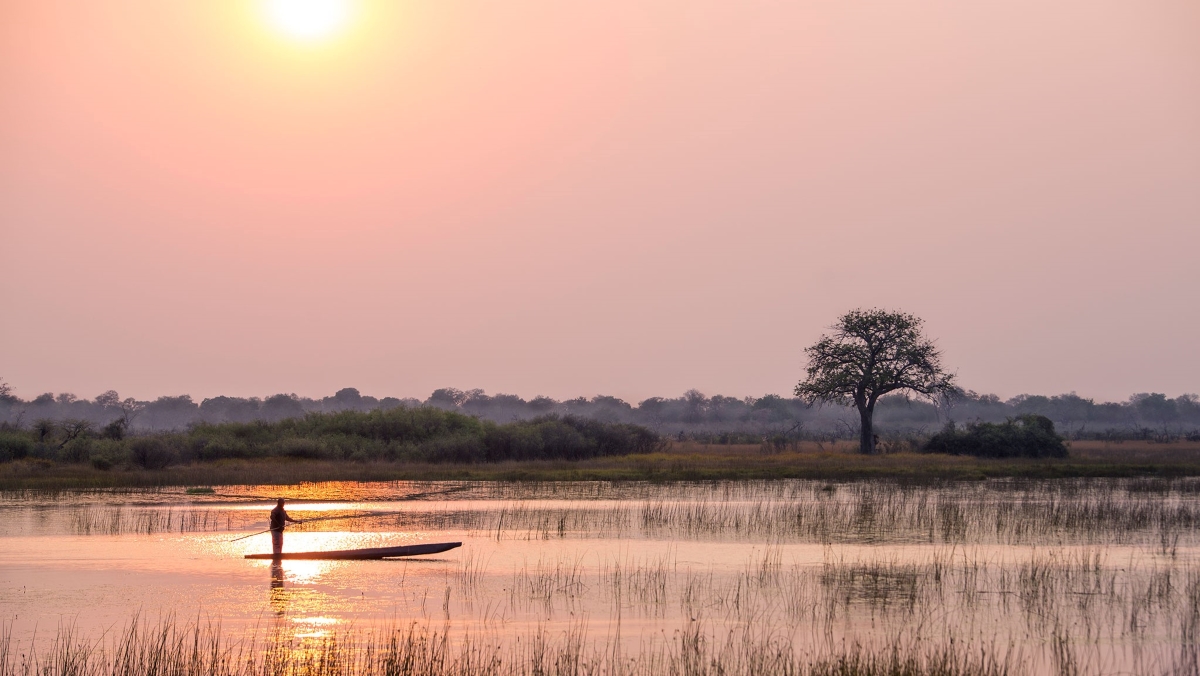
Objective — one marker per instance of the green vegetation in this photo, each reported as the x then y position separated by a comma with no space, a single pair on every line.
412,435
15,445
674,462
1026,436
426,443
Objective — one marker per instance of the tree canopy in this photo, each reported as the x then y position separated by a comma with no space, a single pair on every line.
869,354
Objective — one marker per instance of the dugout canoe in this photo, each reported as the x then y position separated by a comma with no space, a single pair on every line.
364,554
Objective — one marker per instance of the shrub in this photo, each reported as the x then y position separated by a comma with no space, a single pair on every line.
423,434
217,447
14,446
114,430
567,438
454,448
151,453
108,453
511,442
44,429
1026,436
76,451
301,448
562,440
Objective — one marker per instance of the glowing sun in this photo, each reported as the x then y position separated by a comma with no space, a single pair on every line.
308,19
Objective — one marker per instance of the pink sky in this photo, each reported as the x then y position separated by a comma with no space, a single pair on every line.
629,197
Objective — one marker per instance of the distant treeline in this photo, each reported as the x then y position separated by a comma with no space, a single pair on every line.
399,434
693,415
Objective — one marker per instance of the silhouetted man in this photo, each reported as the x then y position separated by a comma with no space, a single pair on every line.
278,518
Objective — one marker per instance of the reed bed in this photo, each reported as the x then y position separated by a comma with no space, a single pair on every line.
1111,512
195,648
1070,610
1079,577
1162,513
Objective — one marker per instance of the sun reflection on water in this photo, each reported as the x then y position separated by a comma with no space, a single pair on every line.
305,611
314,627
305,572
298,506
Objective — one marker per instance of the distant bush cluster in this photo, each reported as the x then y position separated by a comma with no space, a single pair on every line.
770,419
1027,436
421,434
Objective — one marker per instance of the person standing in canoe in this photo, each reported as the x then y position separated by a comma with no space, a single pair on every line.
279,517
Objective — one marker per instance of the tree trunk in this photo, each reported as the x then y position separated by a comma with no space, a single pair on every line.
867,435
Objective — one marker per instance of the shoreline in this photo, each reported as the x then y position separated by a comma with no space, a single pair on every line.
678,462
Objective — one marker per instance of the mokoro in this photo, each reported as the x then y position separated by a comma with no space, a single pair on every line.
371,553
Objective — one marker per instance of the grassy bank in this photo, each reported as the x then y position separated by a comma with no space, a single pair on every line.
675,462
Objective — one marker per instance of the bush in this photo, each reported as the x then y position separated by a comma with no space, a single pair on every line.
510,442
561,440
14,446
1027,436
566,438
151,453
398,434
109,453
301,448
222,447
114,430
418,435
76,451
463,448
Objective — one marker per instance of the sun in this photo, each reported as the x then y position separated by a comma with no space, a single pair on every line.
308,20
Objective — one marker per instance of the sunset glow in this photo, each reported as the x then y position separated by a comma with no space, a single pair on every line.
308,20
631,198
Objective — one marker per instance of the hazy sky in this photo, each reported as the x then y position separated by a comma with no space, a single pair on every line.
629,197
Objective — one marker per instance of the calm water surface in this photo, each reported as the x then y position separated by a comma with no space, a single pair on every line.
1105,570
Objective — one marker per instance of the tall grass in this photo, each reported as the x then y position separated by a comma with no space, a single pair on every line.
1161,514
171,648
962,578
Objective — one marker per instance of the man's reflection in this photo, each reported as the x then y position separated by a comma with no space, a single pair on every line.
279,595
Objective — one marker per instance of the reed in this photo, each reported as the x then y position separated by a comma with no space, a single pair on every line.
1163,515
174,648
1086,576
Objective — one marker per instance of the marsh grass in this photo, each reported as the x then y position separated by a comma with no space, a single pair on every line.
1161,514
102,520
174,648
1006,576
547,581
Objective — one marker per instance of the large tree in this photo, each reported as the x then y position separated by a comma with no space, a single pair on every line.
872,353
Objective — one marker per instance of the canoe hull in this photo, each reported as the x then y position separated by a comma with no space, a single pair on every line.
364,554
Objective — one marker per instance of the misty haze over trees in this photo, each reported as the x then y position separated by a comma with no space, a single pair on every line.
693,415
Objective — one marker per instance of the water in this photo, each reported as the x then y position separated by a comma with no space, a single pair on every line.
1098,576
